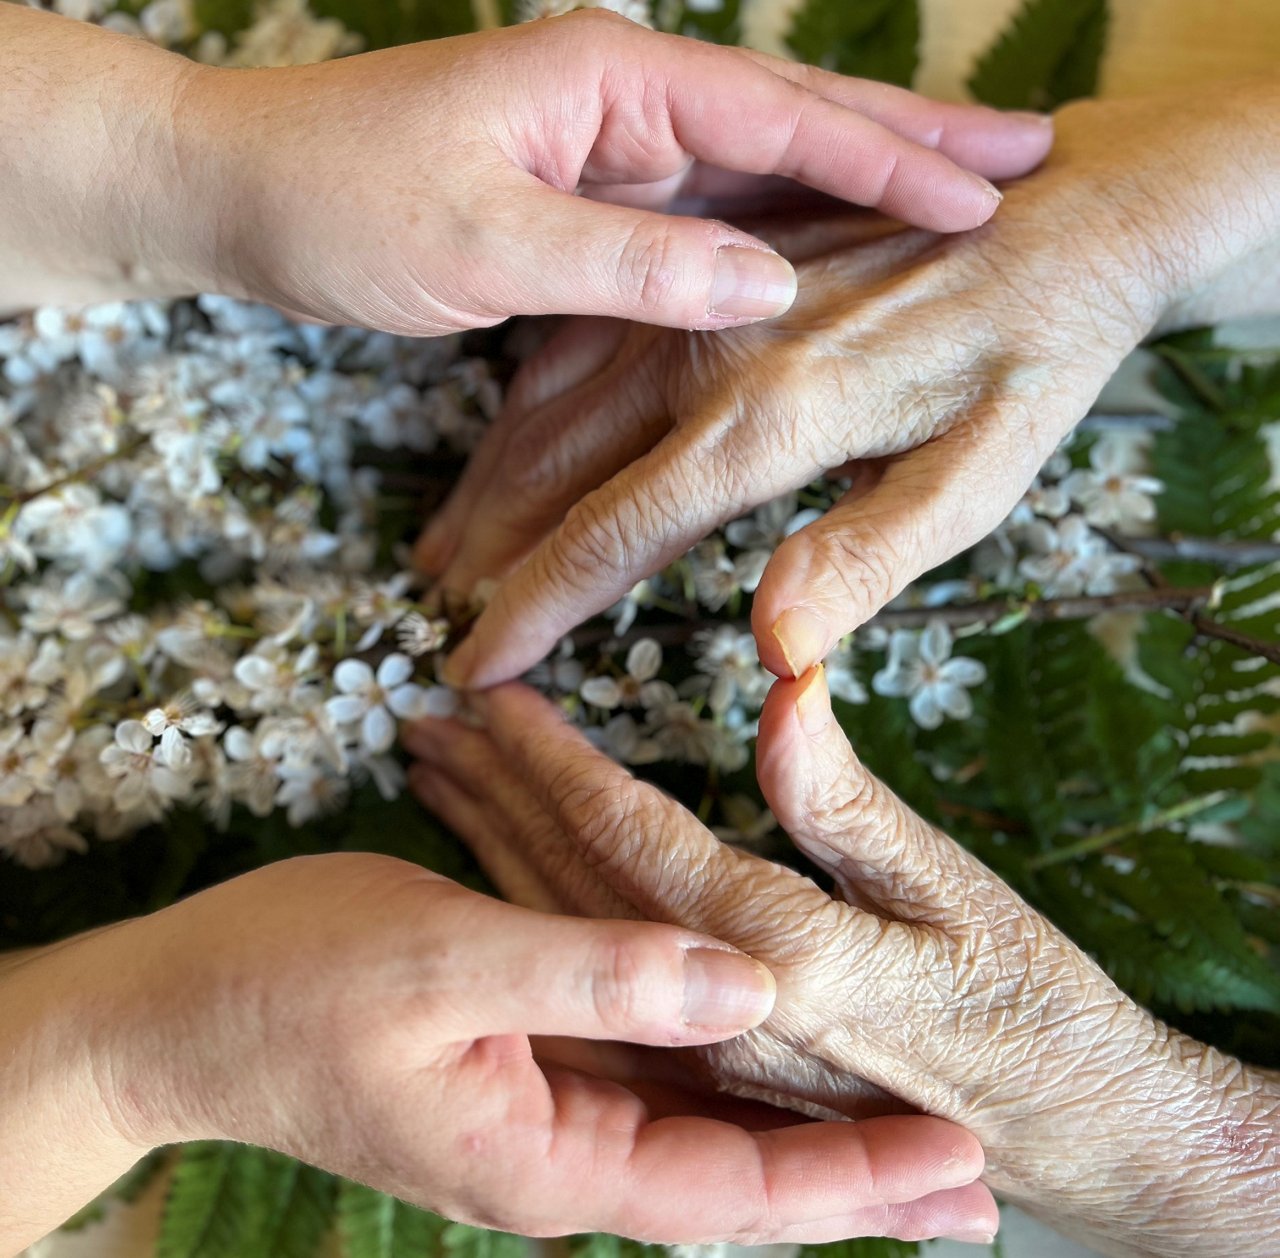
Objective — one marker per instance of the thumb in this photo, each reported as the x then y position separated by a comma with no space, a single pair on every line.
575,256
532,973
827,579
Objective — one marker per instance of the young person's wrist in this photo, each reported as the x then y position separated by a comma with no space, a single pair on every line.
61,1052
107,193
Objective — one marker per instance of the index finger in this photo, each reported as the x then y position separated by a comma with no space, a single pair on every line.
730,110
644,518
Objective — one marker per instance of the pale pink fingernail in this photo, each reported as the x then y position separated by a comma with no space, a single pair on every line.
976,1237
802,637
726,990
751,284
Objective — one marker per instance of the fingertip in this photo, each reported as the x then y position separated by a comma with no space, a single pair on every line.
803,638
429,551
458,669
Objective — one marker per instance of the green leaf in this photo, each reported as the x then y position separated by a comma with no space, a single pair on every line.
299,1212
873,39
869,1247
461,1241
375,1225
1049,53
215,1195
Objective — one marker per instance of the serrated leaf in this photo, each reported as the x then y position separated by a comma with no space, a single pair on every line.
459,1240
299,1212
873,39
1048,54
375,1225
212,1200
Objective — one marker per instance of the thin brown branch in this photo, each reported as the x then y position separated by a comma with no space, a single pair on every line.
1226,552
1210,628
1183,599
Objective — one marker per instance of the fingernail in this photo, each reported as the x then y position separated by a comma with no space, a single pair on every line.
802,638
456,670
813,705
751,284
1026,115
726,990
976,1237
989,190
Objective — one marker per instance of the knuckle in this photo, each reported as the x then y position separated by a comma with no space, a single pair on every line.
868,564
650,266
616,978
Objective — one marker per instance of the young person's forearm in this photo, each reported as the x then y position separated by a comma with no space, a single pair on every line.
102,181
62,1142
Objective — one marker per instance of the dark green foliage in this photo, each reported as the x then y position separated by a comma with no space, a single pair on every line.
1049,53
871,1247
379,25
874,39
156,867
373,1225
719,27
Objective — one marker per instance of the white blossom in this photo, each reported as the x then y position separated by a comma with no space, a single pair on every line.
1070,559
920,668
1114,491
638,685
370,700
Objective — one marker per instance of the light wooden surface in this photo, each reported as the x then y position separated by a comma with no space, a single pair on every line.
1153,44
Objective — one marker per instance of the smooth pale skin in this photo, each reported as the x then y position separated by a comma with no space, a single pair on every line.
374,1019
924,977
430,188
946,369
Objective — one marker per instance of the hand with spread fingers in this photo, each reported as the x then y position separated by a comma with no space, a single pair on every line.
948,368
922,976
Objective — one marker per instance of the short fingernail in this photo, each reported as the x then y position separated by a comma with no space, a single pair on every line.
978,1236
456,670
1026,115
989,190
725,991
802,638
751,284
813,704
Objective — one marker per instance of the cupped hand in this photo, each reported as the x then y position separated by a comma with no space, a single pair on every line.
431,188
948,368
374,1019
924,975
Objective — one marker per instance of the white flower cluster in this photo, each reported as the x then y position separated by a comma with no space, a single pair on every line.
1059,535
210,447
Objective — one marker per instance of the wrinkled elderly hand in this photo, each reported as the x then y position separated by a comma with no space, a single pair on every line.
924,976
950,367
